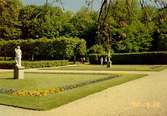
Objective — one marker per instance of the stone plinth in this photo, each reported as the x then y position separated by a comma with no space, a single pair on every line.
18,72
109,64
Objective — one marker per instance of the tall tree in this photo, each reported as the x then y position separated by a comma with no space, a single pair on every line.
39,21
124,14
84,25
103,30
9,23
160,34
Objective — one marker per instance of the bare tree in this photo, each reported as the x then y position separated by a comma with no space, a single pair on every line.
89,3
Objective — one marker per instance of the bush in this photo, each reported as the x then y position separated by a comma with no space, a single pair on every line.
33,64
7,64
132,58
95,58
162,42
98,49
44,49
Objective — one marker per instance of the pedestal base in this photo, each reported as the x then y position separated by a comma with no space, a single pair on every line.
18,72
109,64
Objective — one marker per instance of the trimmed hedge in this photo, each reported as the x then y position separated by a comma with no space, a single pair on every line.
45,49
33,64
5,58
7,64
132,58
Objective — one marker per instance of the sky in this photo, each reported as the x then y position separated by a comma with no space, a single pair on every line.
73,5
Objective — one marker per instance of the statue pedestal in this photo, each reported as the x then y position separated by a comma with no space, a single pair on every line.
109,64
18,72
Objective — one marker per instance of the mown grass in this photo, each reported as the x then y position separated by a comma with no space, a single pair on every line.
113,68
44,80
33,80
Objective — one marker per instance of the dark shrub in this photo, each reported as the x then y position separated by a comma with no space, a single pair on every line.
133,58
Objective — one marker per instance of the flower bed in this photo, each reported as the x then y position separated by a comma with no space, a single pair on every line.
46,92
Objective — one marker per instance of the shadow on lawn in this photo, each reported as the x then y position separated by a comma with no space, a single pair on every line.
6,78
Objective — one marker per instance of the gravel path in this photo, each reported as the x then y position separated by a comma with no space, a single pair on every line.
88,71
141,97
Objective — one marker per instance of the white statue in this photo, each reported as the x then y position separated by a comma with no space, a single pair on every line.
18,54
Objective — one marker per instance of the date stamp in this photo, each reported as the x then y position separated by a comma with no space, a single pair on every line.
147,105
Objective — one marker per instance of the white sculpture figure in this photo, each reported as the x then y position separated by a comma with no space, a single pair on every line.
18,54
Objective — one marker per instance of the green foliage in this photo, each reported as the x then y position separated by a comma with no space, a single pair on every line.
98,49
7,64
95,58
41,64
42,21
127,27
128,32
137,39
83,25
125,12
9,23
162,43
162,38
133,58
33,64
132,38
45,49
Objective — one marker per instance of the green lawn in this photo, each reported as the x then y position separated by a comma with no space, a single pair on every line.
39,81
113,68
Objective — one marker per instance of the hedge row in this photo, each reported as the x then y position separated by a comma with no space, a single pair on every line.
45,49
33,64
5,58
132,58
